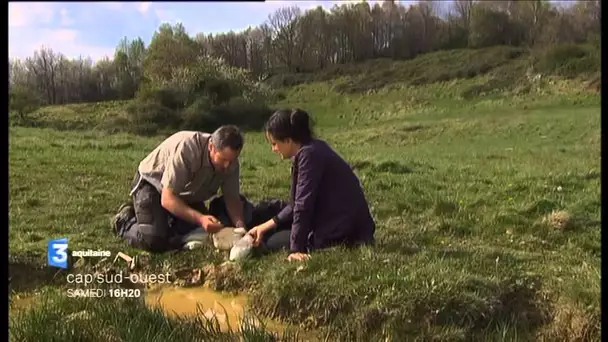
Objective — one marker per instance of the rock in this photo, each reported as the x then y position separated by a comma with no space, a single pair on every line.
227,237
197,277
227,267
216,277
189,277
209,270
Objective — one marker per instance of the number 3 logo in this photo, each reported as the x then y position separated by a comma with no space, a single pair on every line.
58,253
61,254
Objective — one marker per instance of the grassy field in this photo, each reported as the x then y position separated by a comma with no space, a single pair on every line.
488,213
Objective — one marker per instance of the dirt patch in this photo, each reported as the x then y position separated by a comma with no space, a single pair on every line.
558,219
27,274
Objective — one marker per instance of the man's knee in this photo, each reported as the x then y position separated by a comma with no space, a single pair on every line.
147,206
217,208
147,237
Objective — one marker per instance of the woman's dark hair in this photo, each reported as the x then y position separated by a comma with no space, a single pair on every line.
290,123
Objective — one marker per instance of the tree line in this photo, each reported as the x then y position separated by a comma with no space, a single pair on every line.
296,41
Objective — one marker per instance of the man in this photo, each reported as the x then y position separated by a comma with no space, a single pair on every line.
173,182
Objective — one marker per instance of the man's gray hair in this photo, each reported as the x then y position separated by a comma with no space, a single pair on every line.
227,136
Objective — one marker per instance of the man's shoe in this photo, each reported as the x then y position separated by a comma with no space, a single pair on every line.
192,245
125,213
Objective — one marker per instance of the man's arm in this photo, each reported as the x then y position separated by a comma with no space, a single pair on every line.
178,207
309,177
232,198
177,174
235,211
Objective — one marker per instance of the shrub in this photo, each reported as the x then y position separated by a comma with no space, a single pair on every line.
202,96
569,60
148,117
243,113
238,111
23,102
171,98
195,117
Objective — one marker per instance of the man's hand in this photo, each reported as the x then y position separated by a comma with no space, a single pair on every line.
257,233
298,257
211,224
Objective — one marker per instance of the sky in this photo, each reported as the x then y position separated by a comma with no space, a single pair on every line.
94,29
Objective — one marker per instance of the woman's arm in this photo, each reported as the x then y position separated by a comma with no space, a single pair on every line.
286,214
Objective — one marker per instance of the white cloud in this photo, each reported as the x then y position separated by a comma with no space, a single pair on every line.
60,35
21,14
64,41
66,20
143,7
166,16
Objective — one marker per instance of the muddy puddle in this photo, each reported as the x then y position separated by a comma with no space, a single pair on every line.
228,310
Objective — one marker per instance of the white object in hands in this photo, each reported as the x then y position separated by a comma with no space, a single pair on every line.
227,237
241,248
240,231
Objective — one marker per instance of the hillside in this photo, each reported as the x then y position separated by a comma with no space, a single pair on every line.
483,178
461,75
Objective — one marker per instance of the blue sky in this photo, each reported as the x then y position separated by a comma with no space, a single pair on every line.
95,28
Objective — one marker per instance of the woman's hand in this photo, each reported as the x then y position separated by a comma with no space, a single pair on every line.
257,233
298,257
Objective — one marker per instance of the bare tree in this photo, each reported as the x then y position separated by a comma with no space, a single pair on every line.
284,26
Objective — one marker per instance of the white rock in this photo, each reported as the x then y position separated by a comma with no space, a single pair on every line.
227,237
242,248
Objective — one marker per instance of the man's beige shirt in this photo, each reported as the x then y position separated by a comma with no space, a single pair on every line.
182,163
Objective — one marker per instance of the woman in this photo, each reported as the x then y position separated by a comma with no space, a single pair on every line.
327,206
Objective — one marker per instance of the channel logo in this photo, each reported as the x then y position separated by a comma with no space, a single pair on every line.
57,253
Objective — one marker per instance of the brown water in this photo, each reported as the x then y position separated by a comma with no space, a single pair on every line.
227,309
189,301
192,301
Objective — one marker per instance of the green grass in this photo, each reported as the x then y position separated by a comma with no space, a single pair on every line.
104,116
458,186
